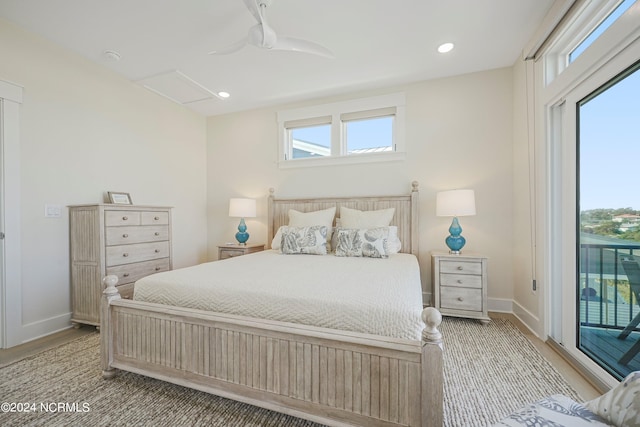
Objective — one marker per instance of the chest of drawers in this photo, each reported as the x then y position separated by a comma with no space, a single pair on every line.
128,241
460,285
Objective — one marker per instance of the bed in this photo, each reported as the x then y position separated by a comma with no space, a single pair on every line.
336,370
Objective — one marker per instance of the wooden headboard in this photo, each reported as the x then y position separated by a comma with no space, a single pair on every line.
405,217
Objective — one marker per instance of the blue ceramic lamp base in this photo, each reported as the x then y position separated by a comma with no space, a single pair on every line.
242,236
455,241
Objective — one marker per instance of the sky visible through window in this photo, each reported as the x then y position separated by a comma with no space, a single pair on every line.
610,147
369,133
622,8
610,137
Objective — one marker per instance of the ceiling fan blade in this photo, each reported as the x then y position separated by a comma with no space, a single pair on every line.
300,45
230,49
254,8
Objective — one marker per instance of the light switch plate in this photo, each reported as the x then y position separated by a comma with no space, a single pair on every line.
52,211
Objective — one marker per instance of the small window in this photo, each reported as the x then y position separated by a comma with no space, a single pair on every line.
369,136
584,26
369,131
357,131
610,19
313,141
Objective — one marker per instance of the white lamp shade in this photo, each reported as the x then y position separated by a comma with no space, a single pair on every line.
242,208
455,203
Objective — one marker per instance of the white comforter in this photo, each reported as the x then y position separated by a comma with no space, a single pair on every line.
376,296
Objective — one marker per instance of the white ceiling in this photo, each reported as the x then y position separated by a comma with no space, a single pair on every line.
376,43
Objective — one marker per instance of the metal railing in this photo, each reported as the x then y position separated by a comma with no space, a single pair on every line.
602,279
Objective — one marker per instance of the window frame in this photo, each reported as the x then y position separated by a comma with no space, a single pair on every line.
580,23
336,111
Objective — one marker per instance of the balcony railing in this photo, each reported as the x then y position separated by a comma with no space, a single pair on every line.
606,299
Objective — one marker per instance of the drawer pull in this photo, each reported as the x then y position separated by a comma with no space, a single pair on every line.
125,236
124,218
156,233
157,218
125,254
460,268
460,299
158,268
125,275
459,281
157,250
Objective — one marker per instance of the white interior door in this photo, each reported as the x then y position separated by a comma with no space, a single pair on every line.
2,267
10,245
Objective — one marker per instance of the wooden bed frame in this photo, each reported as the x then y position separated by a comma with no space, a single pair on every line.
323,375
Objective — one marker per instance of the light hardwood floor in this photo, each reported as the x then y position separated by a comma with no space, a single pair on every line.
30,348
572,376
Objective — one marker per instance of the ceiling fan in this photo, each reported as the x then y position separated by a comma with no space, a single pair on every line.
263,36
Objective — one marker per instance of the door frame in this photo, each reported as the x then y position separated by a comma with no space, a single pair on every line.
617,49
10,246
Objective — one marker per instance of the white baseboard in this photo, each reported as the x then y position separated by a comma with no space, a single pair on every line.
502,305
531,321
42,328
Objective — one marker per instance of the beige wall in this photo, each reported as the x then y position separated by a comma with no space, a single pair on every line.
458,135
85,130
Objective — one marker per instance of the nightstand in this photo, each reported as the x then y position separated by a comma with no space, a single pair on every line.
460,285
231,250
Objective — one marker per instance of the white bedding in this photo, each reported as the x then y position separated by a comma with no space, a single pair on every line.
376,296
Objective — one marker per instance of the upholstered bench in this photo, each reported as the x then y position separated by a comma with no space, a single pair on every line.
619,407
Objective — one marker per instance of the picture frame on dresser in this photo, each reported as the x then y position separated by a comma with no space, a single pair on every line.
118,198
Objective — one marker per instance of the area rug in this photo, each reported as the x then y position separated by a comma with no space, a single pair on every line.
489,371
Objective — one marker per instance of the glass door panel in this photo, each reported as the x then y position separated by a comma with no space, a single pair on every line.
608,283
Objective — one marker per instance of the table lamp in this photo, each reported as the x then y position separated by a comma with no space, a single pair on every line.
455,203
242,208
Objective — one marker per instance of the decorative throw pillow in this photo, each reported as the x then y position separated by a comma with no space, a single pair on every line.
277,239
304,240
370,243
620,406
394,245
354,218
557,410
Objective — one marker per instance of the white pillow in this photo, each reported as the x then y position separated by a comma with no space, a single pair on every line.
309,219
394,245
354,218
277,239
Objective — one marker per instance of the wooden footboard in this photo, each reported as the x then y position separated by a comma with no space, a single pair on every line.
329,376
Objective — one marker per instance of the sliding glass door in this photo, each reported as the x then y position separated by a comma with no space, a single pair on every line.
607,294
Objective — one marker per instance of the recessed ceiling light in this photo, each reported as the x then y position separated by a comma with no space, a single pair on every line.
445,47
111,55
223,94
